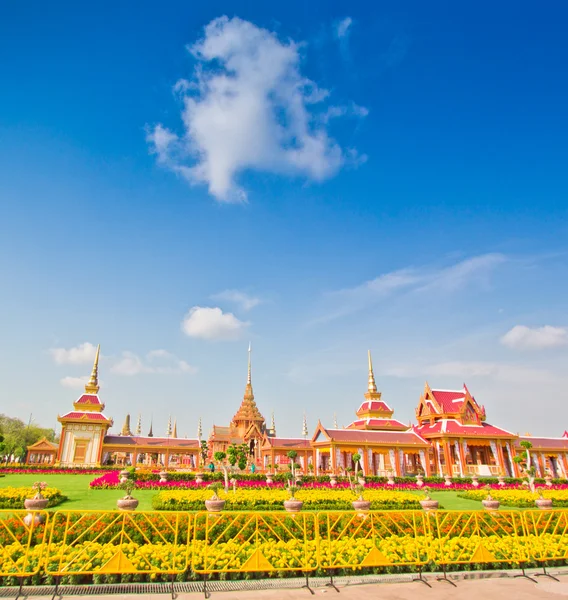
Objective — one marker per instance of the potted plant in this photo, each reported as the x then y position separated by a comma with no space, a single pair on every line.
360,503
215,504
501,479
390,477
523,459
163,476
427,503
127,502
447,480
292,504
542,502
332,479
269,475
419,479
548,478
123,475
474,480
38,502
489,503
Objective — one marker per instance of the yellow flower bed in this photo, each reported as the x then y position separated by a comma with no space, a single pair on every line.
13,497
520,498
264,499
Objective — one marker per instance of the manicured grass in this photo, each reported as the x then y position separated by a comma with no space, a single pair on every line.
82,497
76,488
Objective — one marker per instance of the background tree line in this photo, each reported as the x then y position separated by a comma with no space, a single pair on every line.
16,436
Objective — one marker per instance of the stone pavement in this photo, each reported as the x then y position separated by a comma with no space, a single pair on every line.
486,589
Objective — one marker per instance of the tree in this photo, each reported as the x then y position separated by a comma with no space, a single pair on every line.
292,454
356,459
220,458
203,451
524,460
17,435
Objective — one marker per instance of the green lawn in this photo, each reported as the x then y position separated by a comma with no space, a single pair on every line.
81,496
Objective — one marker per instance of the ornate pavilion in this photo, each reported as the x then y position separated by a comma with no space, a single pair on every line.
452,437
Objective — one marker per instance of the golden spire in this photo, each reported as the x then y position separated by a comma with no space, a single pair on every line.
335,421
169,431
151,433
305,427
126,426
249,379
175,432
199,430
93,386
372,385
273,425
139,425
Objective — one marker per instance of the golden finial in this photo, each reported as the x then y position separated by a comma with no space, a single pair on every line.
151,433
372,385
335,421
175,432
199,430
305,427
273,425
169,431
93,386
139,425
249,379
126,426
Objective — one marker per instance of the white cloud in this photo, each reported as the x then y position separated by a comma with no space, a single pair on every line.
244,301
248,107
159,362
522,337
79,355
212,324
74,382
343,27
420,280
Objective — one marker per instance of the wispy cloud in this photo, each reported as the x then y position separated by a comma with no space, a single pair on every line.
74,382
160,362
211,323
241,299
248,107
408,280
522,337
78,355
342,28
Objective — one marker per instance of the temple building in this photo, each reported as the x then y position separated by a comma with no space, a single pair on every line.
384,444
248,426
452,437
462,442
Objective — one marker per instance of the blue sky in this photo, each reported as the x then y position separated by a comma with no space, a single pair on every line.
317,180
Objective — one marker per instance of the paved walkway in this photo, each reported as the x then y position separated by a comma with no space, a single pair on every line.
487,589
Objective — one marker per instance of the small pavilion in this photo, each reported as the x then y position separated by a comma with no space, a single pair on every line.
43,452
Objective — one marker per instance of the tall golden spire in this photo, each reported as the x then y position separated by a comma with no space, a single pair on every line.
305,427
335,421
175,431
126,426
372,385
151,432
139,425
93,386
169,431
199,430
249,378
273,425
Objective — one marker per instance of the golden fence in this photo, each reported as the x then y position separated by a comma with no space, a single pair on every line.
22,539
172,543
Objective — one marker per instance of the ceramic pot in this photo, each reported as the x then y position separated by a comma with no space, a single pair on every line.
501,480
361,505
293,505
269,479
474,481
163,476
332,481
214,505
447,480
419,480
548,480
544,503
390,480
127,503
429,504
490,504
35,503
199,478
123,476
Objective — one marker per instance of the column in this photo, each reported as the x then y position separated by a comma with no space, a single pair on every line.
448,456
501,458
332,451
462,458
365,461
397,463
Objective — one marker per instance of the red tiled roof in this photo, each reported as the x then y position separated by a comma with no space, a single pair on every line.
87,416
126,440
288,442
88,399
403,438
449,400
452,427
374,405
377,424
544,443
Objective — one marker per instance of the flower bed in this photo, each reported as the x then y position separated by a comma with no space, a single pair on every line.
11,497
273,499
521,498
50,470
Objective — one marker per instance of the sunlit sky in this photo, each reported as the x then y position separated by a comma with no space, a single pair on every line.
317,178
